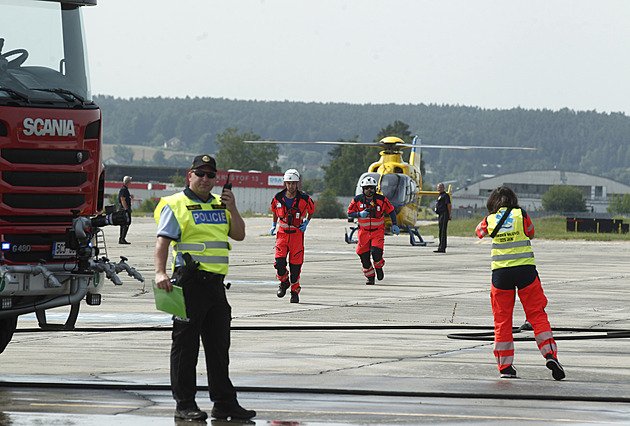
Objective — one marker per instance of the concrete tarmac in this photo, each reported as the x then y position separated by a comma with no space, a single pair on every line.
348,353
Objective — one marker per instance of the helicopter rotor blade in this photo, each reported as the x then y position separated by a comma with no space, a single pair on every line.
476,147
374,144
393,146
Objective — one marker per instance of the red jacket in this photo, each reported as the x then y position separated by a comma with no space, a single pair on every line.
378,207
290,218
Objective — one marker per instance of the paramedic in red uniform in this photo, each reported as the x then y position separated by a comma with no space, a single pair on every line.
369,209
293,209
514,268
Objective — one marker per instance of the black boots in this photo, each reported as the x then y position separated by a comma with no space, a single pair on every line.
379,273
557,372
282,288
234,411
191,414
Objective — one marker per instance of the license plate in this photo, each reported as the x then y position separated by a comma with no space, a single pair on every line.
60,250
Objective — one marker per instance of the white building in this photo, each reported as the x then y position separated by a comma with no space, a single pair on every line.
531,186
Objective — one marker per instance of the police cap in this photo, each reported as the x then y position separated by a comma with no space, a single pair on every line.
203,160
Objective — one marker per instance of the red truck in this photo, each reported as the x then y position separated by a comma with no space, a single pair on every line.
52,178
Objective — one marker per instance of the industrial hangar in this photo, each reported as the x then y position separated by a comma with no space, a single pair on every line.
532,185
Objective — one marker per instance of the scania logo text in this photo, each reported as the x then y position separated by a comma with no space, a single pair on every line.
48,127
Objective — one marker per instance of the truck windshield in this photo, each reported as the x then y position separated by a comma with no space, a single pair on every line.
42,54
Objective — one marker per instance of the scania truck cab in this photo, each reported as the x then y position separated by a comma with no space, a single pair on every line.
52,177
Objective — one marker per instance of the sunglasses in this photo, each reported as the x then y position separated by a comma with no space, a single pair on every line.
209,175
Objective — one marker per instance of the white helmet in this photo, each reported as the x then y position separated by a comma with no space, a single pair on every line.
368,181
291,175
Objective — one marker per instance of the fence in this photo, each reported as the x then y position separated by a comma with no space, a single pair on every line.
596,225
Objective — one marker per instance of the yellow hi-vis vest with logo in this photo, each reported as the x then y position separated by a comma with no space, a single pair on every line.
510,246
204,231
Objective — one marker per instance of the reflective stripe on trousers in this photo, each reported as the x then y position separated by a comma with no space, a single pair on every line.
546,343
534,302
504,354
369,272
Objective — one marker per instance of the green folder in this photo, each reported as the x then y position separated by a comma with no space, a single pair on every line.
171,303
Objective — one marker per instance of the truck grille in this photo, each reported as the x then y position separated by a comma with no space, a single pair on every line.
30,174
46,179
43,201
45,156
36,219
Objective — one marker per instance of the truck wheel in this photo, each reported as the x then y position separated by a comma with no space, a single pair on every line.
7,327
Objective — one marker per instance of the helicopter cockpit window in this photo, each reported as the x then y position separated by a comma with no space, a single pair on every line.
44,61
395,187
398,188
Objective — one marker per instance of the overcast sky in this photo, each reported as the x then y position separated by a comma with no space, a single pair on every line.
492,54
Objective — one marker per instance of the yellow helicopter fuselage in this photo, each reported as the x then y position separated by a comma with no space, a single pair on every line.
401,183
405,194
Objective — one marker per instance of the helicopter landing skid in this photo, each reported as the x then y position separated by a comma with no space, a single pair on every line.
349,238
412,230
413,234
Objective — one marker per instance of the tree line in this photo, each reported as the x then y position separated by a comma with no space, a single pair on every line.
582,141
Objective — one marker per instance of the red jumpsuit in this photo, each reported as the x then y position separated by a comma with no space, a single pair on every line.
371,234
289,239
513,268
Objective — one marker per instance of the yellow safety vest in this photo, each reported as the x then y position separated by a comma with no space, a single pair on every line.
204,231
510,246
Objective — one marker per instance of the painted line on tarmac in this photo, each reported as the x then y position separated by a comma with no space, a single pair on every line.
330,252
253,282
345,413
442,416
105,317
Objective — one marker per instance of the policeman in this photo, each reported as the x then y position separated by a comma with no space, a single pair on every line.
514,268
197,224
293,209
369,208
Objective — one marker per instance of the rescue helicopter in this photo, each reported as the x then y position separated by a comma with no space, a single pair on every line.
400,181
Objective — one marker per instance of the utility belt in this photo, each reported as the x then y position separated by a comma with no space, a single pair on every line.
181,274
190,273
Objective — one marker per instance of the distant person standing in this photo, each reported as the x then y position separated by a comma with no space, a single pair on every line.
124,199
293,209
443,208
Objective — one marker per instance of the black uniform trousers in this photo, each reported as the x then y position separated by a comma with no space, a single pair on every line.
124,229
209,316
443,223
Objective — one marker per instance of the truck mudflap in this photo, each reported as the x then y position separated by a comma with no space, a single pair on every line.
7,328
